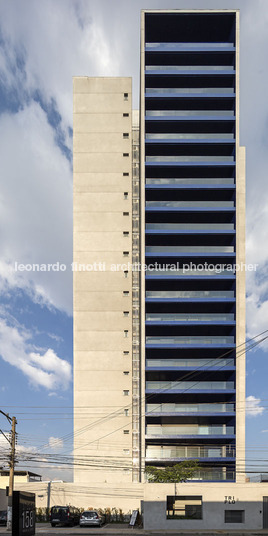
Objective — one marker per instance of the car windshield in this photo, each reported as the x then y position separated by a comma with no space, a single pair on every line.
90,514
58,509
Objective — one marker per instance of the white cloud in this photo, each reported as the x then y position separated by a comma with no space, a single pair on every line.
36,197
55,443
253,406
47,370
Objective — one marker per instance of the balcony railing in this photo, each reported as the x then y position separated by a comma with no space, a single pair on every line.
177,46
206,451
189,226
188,429
189,317
189,340
192,136
213,408
191,204
214,474
198,363
190,181
187,90
189,294
184,385
189,249
166,68
180,113
177,158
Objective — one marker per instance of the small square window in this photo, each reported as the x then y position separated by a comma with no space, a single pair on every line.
125,154
125,213
125,195
126,412
126,451
125,174
234,516
126,274
125,115
126,313
125,253
126,372
126,352
125,333
126,432
125,233
125,135
126,392
125,292
125,96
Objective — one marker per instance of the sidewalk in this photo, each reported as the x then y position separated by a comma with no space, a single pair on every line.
118,530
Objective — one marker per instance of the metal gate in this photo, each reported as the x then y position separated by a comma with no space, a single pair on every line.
265,512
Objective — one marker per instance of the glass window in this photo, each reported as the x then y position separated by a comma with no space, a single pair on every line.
234,516
184,507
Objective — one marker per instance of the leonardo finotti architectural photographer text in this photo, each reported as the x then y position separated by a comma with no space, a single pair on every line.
136,267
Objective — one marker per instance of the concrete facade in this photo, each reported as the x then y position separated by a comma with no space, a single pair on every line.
102,297
216,500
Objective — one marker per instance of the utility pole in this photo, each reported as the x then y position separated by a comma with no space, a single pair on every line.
11,474
12,443
48,498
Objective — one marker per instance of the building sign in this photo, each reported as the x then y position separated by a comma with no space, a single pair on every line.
133,518
229,499
23,514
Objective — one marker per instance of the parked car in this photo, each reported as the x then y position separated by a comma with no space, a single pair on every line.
3,517
91,518
64,515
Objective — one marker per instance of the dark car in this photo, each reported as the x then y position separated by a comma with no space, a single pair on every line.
3,517
91,518
64,515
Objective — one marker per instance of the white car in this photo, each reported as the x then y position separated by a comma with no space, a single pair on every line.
91,518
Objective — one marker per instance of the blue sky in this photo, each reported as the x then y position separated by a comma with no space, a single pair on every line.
42,45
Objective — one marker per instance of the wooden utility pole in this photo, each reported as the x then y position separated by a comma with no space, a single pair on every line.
11,473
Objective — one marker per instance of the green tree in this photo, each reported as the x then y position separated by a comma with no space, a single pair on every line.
180,472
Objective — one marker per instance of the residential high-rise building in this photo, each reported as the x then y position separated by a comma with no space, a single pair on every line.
159,364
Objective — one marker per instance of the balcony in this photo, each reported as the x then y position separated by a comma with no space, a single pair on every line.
178,159
181,452
175,205
178,409
190,182
219,318
189,385
189,115
188,46
189,69
188,429
189,227
164,364
195,341
188,92
189,294
166,250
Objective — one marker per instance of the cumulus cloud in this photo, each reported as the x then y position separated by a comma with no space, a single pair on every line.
253,406
42,370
